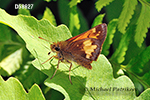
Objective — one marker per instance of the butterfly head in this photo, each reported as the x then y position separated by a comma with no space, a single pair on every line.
55,47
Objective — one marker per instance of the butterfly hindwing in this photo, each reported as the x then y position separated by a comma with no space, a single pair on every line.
88,48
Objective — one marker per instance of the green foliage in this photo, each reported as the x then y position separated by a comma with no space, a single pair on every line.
101,3
15,59
127,66
11,51
118,55
143,23
72,17
140,60
13,90
144,96
24,12
81,77
110,34
49,16
126,14
91,79
74,24
74,2
28,75
98,20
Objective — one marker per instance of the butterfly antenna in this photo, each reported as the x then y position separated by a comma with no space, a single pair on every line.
44,39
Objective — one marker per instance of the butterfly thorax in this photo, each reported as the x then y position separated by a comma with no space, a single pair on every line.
58,48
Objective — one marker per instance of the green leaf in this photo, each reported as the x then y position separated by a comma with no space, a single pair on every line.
144,95
11,48
65,13
135,68
101,3
118,55
126,14
138,62
13,90
24,12
74,2
5,34
74,24
98,20
142,23
29,75
145,80
84,80
110,34
49,16
11,63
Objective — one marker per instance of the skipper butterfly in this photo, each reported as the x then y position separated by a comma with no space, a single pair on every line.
82,49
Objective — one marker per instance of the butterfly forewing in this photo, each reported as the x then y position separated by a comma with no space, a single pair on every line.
88,44
98,32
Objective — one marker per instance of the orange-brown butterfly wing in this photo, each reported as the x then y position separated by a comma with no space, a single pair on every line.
88,44
81,48
98,32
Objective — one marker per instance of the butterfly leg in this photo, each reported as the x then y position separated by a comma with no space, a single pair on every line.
69,70
48,59
56,68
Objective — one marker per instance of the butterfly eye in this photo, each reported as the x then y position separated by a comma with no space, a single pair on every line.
57,48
